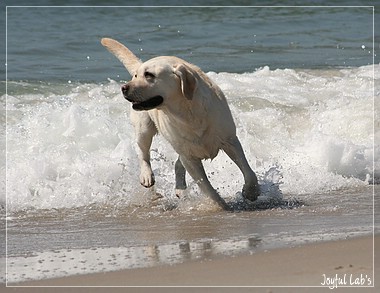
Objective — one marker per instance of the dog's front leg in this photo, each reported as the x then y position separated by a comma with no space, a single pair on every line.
234,150
145,130
195,168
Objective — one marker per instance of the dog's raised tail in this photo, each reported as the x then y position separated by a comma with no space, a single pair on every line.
129,60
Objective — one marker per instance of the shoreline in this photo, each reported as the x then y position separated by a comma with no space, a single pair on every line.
346,262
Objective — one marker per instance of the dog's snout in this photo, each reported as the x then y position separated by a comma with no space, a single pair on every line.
125,89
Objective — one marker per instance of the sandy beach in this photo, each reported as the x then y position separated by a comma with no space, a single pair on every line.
280,270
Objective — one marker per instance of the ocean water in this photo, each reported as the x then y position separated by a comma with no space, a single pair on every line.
301,83
72,145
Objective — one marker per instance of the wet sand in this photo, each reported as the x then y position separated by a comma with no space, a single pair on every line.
315,264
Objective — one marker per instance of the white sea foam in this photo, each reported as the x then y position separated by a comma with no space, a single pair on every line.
308,131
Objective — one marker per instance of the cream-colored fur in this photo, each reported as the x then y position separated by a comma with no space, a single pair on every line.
178,100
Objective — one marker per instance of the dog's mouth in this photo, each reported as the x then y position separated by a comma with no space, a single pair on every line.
148,104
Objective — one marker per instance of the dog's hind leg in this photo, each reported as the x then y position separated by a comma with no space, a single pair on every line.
195,168
180,178
145,130
234,150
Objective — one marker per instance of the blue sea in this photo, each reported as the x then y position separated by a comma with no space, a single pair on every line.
301,83
62,43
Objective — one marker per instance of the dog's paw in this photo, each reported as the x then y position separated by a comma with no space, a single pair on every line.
251,192
179,192
147,179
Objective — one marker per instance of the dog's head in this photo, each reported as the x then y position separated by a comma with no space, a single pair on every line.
158,81
155,81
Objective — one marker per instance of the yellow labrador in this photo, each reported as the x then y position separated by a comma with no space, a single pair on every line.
178,100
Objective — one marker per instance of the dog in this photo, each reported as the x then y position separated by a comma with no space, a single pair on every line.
178,100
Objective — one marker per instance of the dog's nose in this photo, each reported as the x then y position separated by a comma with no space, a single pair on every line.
125,89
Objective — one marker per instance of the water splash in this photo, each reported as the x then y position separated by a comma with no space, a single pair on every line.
303,132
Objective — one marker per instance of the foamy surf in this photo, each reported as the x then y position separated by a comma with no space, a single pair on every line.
303,131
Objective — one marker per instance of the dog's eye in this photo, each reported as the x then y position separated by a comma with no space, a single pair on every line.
148,74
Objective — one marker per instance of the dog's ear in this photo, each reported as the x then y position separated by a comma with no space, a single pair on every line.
129,60
188,79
